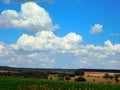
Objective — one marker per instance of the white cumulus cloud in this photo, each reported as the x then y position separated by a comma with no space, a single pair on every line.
91,56
1,47
47,40
97,28
18,58
84,56
17,1
7,1
31,17
47,50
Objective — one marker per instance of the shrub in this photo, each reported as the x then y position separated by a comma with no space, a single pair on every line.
67,78
116,76
80,79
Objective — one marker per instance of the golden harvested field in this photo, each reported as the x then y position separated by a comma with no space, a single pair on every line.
100,80
97,77
98,73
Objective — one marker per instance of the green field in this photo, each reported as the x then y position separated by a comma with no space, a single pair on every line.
19,83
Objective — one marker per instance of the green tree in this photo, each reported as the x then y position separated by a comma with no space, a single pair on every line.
79,72
116,76
106,76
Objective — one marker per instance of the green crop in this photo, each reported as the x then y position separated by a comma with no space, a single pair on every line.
20,83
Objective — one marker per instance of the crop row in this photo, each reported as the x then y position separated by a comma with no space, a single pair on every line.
19,83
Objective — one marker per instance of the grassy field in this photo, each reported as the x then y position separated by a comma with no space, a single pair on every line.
19,83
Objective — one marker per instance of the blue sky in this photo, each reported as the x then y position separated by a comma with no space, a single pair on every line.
77,16
82,32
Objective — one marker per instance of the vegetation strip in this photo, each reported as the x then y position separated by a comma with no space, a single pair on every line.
20,83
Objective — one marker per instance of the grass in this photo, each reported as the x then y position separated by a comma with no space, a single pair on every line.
20,83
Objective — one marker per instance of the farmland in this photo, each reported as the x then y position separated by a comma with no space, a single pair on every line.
58,79
20,83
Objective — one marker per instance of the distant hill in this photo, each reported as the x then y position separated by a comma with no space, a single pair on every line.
55,69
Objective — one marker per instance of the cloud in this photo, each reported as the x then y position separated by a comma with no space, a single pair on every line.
84,56
47,50
22,1
1,47
17,1
31,17
17,58
114,34
97,28
47,40
91,56
7,1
